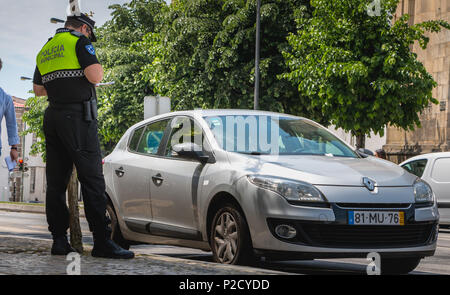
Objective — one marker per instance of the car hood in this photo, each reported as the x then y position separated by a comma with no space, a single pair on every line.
324,170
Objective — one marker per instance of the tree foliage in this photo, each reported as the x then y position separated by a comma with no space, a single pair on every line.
121,105
358,70
324,59
204,54
34,118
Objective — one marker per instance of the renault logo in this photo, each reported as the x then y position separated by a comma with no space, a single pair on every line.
370,184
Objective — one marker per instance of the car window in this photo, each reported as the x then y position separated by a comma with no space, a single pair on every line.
134,141
441,170
259,134
416,167
151,138
183,130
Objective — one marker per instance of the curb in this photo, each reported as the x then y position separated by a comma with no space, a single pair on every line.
27,208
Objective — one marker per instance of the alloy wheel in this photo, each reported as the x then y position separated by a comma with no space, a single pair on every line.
226,238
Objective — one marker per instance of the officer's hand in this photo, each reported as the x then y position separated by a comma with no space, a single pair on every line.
14,155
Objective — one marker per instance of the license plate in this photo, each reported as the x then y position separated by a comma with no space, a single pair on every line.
376,218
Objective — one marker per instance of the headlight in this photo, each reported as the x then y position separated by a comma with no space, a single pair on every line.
423,192
296,191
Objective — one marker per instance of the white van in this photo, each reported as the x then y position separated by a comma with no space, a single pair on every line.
434,168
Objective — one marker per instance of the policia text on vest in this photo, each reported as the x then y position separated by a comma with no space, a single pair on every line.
55,52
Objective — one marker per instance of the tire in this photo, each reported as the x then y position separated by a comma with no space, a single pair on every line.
116,234
399,266
230,237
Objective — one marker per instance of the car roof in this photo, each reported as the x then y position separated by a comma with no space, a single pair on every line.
427,156
216,112
242,112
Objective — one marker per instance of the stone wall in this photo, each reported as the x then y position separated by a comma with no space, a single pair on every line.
434,134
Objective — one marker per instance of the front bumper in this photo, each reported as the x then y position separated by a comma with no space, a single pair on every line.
324,232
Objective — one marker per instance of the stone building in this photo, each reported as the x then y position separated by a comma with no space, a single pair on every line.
434,135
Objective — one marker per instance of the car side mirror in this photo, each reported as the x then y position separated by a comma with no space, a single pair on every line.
190,150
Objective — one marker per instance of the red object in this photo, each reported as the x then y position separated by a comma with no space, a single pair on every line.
21,161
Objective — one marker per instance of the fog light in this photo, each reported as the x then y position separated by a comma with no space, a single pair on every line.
285,231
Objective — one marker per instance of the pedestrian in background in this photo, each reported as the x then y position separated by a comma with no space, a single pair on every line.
7,110
380,153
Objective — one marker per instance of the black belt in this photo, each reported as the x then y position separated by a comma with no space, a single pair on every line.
88,108
67,106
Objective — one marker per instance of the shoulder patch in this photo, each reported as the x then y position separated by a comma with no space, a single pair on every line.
90,49
76,33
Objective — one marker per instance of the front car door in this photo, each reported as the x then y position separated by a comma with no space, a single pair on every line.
175,184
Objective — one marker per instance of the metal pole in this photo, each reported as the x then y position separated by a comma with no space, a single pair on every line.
257,54
23,159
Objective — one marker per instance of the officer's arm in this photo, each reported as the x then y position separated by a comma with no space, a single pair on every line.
94,73
39,90
38,86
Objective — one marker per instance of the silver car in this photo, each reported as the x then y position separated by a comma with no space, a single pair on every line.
248,184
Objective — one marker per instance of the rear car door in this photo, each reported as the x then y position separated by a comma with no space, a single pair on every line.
132,174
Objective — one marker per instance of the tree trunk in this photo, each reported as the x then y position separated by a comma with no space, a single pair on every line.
360,141
74,219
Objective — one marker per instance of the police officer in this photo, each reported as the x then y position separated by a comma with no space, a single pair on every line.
66,72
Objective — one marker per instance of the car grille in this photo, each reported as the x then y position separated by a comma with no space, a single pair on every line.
373,205
354,236
332,235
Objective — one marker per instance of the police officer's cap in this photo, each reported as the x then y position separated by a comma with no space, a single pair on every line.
86,20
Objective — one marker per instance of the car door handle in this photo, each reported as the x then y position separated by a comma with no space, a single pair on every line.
120,172
157,179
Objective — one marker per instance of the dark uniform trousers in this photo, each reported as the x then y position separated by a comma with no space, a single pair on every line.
71,140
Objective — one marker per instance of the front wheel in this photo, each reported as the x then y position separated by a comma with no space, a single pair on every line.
230,237
398,266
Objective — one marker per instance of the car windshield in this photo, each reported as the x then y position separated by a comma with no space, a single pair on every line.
416,167
272,135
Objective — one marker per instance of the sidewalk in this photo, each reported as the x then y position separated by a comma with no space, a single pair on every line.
29,208
25,256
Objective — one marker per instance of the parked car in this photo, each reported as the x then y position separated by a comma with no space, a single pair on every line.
434,168
246,184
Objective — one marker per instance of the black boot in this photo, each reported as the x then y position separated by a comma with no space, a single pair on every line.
106,248
61,246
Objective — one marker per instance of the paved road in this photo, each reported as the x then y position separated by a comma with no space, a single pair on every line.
34,226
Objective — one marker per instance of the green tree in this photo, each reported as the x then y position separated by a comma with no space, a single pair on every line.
121,105
204,54
34,118
358,70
